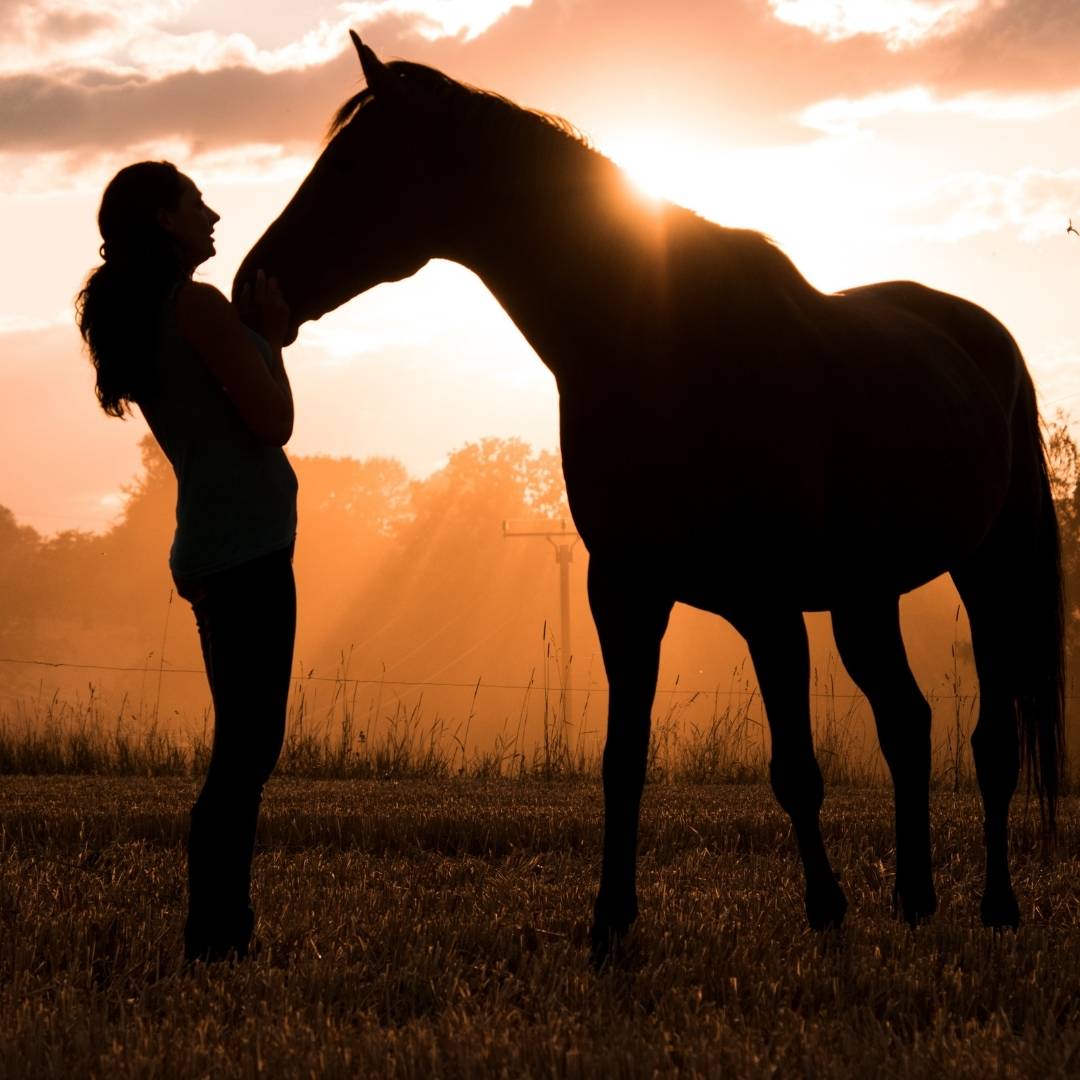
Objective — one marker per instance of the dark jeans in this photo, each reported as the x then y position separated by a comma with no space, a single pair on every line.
247,622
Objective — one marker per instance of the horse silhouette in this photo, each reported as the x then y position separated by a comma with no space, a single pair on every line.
797,451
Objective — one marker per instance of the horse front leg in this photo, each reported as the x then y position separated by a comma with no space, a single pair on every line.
781,657
631,617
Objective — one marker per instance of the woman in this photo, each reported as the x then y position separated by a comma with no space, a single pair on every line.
217,398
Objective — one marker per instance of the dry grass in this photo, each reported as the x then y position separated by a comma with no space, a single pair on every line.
696,738
437,928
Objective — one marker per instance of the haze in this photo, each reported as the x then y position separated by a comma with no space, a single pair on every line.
925,139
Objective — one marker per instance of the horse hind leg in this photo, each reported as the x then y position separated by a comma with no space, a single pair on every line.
781,658
995,742
870,644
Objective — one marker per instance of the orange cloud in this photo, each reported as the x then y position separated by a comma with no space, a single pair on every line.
735,69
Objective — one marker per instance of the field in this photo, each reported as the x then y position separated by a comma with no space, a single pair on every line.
438,928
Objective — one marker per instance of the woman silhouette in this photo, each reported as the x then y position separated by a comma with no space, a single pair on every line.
217,398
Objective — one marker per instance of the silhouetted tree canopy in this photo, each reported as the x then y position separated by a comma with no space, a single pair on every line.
373,542
1064,459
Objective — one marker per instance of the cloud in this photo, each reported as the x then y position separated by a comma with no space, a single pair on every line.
1034,203
40,35
435,19
847,116
955,46
156,38
71,25
738,71
221,108
205,89
56,172
1009,46
136,76
899,22
20,324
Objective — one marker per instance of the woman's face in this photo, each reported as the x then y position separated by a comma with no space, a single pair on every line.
191,225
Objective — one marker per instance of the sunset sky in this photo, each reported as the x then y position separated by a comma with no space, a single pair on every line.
872,139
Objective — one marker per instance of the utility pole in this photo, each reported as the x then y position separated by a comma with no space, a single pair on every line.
561,535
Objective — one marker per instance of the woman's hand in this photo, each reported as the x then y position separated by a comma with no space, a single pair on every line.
263,308
257,385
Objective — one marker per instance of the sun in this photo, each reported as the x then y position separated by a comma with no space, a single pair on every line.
660,167
692,172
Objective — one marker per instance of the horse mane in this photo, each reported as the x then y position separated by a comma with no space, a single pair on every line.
758,256
472,97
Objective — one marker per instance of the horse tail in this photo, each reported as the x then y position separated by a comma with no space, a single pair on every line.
1025,574
1012,589
1040,663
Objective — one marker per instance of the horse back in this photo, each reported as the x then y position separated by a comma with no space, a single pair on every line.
984,357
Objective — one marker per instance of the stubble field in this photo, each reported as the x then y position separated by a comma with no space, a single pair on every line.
438,929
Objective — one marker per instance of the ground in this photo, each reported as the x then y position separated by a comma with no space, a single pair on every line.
439,929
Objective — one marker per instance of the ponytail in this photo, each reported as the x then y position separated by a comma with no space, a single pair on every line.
118,307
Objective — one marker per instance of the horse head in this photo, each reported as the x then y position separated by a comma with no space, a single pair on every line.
371,209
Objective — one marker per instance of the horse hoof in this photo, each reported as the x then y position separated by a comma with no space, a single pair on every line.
825,909
613,915
607,943
1000,911
915,907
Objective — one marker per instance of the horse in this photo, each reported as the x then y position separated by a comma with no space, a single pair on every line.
798,451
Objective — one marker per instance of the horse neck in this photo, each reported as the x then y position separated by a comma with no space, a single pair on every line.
564,261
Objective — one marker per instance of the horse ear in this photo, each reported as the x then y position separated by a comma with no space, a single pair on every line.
374,69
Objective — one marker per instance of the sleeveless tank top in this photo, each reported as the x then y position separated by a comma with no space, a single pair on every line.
236,496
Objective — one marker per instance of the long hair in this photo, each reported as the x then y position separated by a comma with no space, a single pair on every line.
118,307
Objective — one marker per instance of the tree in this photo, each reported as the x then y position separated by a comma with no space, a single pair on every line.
20,547
1064,459
453,598
353,499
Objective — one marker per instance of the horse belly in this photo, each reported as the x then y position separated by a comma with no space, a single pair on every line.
920,468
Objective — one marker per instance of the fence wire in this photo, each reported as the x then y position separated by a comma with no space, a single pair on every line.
470,685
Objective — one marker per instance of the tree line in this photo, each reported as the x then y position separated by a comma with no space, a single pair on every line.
400,578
